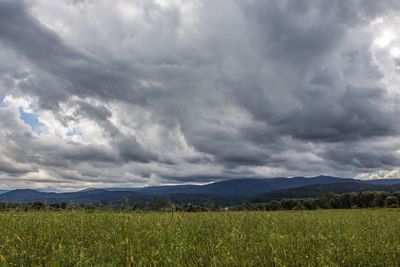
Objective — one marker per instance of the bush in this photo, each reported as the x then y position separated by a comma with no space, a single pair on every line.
391,202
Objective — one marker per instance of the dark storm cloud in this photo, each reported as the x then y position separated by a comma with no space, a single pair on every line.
131,150
321,104
198,90
79,73
362,158
10,168
96,112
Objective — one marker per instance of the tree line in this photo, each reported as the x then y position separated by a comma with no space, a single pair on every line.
329,201
156,204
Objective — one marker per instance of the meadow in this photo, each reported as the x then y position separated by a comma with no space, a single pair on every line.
362,237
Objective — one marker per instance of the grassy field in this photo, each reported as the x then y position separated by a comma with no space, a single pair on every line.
287,238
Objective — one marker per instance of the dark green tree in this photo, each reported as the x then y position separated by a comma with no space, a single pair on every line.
391,202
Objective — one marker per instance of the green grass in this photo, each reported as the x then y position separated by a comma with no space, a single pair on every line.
287,238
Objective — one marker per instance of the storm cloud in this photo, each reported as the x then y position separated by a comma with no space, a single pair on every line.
129,93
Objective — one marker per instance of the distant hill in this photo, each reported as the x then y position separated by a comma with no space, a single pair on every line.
85,197
383,181
223,192
247,187
24,195
3,191
313,191
102,196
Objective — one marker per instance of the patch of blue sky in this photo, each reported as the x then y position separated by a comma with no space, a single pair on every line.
73,132
30,119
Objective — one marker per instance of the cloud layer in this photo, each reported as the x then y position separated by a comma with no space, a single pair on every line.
129,93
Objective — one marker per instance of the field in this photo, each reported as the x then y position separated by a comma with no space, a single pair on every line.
287,238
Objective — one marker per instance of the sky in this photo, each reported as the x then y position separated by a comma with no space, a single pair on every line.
98,93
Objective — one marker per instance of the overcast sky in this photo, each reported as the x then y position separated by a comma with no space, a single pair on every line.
99,93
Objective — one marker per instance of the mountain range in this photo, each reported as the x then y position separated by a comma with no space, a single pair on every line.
222,193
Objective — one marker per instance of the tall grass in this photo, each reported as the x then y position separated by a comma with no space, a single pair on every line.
288,238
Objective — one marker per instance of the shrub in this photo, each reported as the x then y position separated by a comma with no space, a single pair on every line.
391,202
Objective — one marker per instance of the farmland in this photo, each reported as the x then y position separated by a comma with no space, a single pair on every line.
284,238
